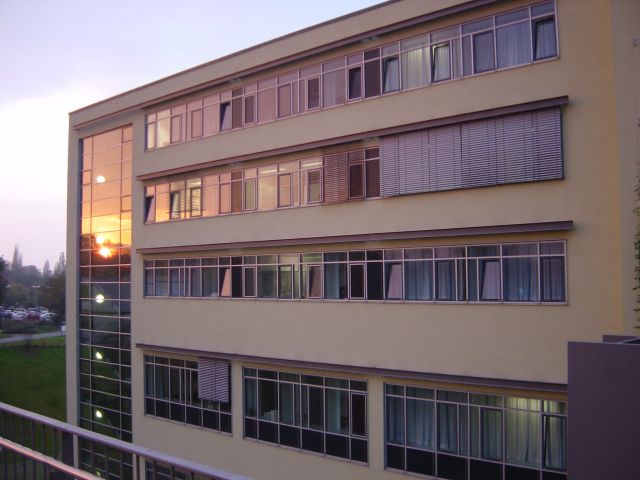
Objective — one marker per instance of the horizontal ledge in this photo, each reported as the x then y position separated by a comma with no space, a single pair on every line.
385,372
556,226
235,76
411,127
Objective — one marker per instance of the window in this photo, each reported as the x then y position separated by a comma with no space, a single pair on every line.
531,272
446,433
313,93
174,202
319,414
172,392
544,38
333,83
225,116
441,62
415,62
372,73
504,40
355,83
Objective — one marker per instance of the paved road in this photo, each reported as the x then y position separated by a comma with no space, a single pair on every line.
35,336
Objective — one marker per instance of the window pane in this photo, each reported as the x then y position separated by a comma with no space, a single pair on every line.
250,194
545,38
236,112
285,285
209,282
358,414
372,78
267,105
373,178
337,411
224,281
333,88
250,109
315,281
390,74
356,280
555,442
420,424
267,281
284,101
553,289
374,280
483,56
445,280
268,400
393,280
355,83
523,437
163,132
395,420
313,93
267,193
414,68
284,190
250,282
441,63
335,280
491,428
162,282
489,280
520,281
513,44
313,186
287,403
356,181
448,428
418,280
225,116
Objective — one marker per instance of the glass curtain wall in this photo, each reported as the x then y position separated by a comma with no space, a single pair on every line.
104,311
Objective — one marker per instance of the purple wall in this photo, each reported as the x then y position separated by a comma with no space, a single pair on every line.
604,411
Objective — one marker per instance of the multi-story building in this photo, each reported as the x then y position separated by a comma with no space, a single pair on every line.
360,250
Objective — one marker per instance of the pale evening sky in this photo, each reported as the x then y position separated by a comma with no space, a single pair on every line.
60,56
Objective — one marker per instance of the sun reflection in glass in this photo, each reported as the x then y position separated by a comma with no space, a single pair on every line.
99,298
100,179
106,252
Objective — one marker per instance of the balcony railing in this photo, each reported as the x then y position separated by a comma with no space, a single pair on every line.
35,447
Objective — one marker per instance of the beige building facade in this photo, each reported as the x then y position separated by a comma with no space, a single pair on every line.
360,250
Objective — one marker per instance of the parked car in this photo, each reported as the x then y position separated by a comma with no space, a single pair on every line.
7,313
48,317
19,315
33,314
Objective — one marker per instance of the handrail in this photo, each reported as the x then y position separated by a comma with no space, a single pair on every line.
45,460
147,453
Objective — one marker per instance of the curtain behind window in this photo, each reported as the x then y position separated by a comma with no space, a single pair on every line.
520,279
513,44
555,447
441,62
414,68
523,437
545,32
395,420
420,424
483,56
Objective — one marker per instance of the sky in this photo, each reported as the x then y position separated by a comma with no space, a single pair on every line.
58,56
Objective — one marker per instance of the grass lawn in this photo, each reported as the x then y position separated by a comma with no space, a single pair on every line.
35,380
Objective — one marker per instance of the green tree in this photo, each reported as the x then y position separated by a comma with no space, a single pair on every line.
3,280
46,269
16,260
53,291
